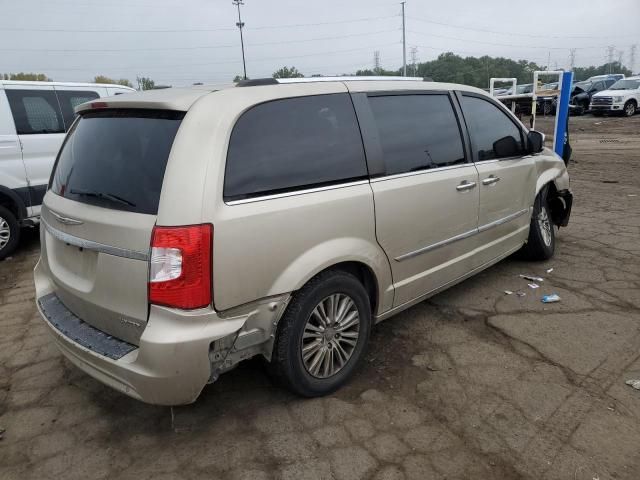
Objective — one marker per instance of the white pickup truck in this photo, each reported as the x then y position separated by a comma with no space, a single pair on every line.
622,97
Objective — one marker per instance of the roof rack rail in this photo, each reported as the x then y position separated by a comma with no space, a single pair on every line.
257,82
276,81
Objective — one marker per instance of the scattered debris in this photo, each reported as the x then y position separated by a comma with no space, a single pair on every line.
532,278
554,297
533,285
521,294
549,270
632,195
2,430
508,292
597,123
634,384
610,181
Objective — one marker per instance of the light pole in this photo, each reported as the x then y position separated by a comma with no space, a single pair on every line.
240,25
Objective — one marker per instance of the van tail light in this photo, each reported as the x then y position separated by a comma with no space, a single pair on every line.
180,266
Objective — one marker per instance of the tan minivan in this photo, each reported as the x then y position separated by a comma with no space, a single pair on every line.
185,230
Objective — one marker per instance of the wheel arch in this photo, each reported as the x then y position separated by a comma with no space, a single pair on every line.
12,201
357,256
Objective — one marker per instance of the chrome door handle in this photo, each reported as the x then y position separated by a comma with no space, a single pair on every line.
490,180
466,185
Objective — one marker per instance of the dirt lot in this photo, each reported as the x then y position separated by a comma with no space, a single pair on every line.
471,384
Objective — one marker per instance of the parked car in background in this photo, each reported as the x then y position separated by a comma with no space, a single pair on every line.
580,99
622,97
583,91
186,230
608,76
34,117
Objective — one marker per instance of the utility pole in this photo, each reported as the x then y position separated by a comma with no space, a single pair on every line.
620,55
414,60
240,25
376,62
572,58
632,58
548,61
610,50
404,44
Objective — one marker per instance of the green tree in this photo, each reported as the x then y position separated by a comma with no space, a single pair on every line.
103,79
287,72
475,71
33,77
146,83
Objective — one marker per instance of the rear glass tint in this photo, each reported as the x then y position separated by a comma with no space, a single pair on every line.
292,144
116,159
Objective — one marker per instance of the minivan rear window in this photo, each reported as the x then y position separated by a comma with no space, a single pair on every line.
116,158
292,144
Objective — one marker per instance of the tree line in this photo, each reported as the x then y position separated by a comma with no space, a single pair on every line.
448,67
474,71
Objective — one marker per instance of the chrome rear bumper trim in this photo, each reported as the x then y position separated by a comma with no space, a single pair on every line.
95,246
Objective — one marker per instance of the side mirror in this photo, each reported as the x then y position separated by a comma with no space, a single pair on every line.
535,141
506,147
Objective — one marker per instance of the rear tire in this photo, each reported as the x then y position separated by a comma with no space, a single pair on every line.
315,354
9,232
542,240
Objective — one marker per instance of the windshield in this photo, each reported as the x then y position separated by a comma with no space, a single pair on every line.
116,159
586,85
549,86
625,85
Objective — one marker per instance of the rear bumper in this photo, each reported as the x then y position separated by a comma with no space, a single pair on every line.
171,364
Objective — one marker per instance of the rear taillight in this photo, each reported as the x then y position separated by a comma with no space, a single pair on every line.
180,266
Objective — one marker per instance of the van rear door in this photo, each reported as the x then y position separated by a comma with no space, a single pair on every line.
99,214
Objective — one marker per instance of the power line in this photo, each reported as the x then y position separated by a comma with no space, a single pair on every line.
191,30
503,44
511,34
226,62
201,47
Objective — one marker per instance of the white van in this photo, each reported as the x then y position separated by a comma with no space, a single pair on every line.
34,117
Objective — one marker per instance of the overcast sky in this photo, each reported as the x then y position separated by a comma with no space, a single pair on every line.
182,42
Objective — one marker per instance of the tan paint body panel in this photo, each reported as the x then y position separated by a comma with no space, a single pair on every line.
109,291
418,211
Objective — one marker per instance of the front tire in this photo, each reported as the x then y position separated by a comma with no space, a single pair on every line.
9,232
542,240
322,337
629,109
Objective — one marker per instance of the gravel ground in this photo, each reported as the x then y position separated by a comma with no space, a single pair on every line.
471,384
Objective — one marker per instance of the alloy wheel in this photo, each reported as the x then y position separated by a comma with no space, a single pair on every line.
545,226
330,335
5,233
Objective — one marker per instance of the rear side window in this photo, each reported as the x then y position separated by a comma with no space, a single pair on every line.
117,158
417,132
493,134
69,100
292,144
35,111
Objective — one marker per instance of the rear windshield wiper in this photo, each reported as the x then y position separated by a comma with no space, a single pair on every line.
108,196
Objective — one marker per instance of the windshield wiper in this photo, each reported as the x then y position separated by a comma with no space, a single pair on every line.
108,196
